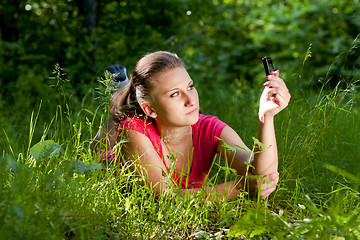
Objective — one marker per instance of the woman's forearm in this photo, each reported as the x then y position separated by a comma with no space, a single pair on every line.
227,190
266,161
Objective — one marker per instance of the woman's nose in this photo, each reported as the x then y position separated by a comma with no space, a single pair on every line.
190,100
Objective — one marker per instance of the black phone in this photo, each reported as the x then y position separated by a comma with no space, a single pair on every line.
268,66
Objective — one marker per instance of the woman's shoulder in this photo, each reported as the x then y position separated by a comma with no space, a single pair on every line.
140,124
208,125
208,120
145,126
133,119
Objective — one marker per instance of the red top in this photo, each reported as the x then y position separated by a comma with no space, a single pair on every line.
205,133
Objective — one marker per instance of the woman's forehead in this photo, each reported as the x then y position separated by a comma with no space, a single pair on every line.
175,77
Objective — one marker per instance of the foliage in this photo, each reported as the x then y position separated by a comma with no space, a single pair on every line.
52,186
221,41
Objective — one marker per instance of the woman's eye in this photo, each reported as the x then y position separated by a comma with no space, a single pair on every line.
174,94
191,87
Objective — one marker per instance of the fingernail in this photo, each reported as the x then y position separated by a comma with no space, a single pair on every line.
267,77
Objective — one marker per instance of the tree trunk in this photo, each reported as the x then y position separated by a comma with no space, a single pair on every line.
87,8
9,33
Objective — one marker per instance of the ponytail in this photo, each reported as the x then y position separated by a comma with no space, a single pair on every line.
124,103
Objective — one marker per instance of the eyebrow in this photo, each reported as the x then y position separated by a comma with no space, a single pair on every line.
178,88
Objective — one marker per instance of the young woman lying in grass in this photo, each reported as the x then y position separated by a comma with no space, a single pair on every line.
158,112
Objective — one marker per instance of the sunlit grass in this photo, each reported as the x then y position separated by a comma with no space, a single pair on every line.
52,186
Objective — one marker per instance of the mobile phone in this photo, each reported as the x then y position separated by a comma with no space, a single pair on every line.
268,66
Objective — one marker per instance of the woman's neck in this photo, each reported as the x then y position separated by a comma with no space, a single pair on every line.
174,135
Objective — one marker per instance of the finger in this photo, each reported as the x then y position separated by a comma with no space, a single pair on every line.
273,176
276,73
272,83
276,83
272,92
283,95
274,76
266,185
278,88
267,188
265,193
275,80
281,101
270,180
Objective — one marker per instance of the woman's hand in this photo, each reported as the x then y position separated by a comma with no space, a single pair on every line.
264,185
274,98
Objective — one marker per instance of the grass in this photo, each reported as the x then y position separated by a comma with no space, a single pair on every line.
53,188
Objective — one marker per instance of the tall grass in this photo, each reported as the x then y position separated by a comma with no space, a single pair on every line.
52,187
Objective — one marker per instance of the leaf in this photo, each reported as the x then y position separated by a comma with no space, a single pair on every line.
200,234
232,148
45,149
127,204
7,162
343,173
258,230
82,168
237,232
259,144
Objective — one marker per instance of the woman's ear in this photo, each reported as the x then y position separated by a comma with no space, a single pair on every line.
148,110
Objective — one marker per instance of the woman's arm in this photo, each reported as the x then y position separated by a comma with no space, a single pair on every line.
105,138
237,160
266,161
274,98
151,167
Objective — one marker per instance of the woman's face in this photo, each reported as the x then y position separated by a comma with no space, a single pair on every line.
175,99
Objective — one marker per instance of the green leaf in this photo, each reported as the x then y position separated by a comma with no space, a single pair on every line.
258,230
259,144
45,149
7,162
231,148
343,172
237,231
82,168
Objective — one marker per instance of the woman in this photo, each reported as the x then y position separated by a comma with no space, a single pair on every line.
158,112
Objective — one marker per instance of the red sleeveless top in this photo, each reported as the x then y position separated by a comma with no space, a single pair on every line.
205,139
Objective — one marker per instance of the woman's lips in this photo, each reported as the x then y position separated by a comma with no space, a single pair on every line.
192,112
